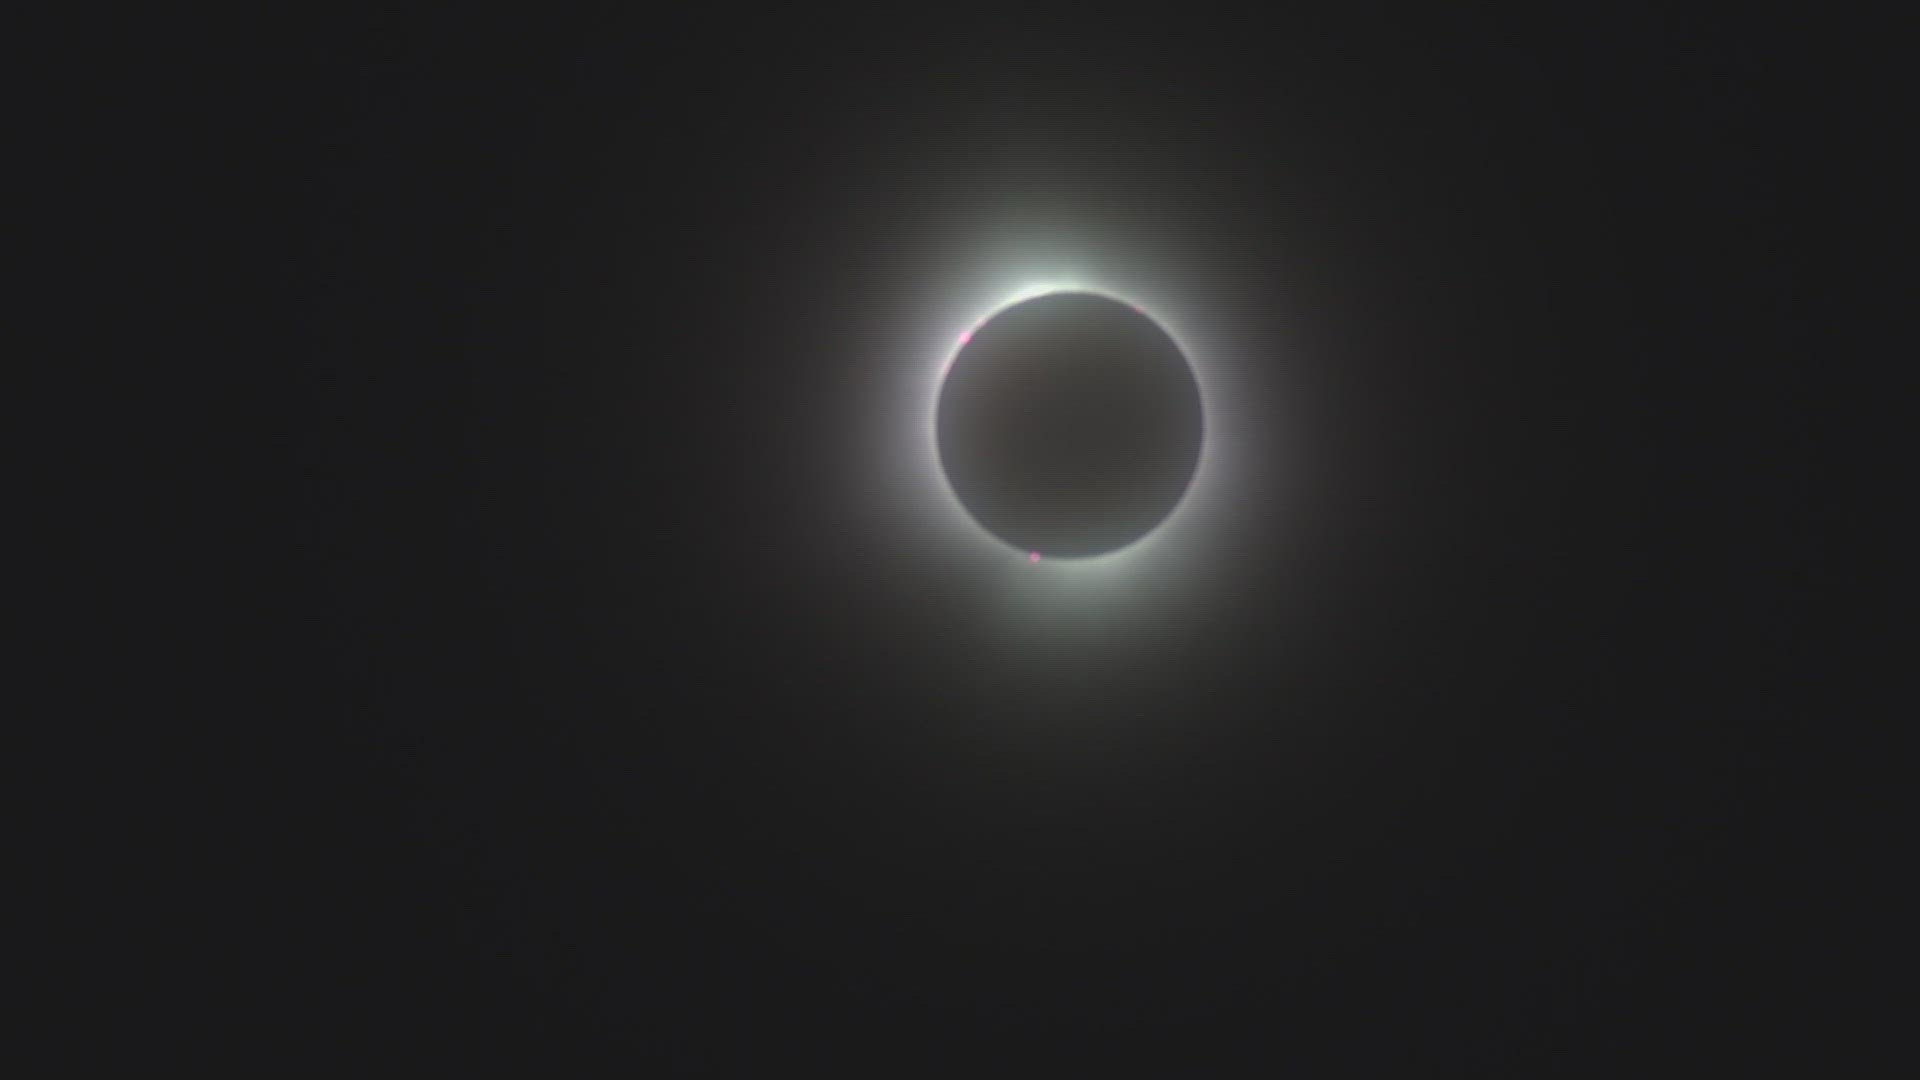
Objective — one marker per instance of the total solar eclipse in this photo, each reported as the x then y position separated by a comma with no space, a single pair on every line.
1069,425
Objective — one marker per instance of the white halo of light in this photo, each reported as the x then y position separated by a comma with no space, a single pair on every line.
1203,489
927,240
955,256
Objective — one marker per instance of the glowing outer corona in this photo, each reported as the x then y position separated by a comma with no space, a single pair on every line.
1203,468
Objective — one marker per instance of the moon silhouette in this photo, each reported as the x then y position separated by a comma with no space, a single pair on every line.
1069,425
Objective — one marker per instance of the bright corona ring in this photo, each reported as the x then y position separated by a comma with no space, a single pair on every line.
1069,425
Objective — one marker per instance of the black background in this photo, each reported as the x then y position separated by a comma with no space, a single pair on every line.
585,733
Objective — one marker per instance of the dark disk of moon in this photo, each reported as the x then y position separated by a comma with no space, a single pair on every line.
1069,425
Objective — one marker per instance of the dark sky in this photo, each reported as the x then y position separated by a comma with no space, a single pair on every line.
633,711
